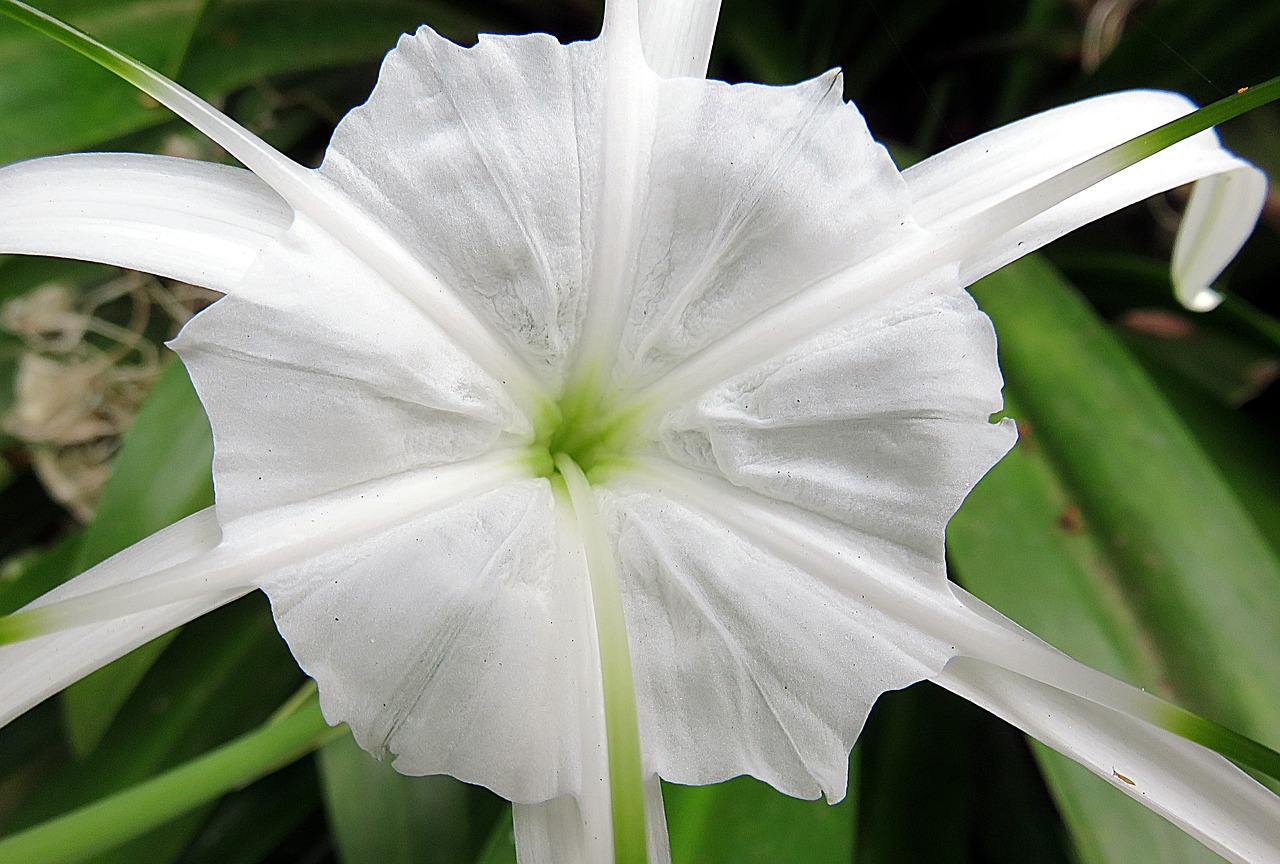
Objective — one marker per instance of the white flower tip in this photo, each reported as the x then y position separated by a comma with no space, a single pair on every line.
1220,216
1197,298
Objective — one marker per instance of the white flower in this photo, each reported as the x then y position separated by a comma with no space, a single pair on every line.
562,335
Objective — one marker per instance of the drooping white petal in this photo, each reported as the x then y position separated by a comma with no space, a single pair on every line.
446,622
37,668
880,425
1201,792
677,35
746,200
491,183
767,633
317,375
958,184
1218,219
181,218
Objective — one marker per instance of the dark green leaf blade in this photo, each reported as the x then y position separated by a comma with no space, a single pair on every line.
161,474
1109,532
746,821
379,816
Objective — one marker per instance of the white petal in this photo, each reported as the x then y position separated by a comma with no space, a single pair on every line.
677,35
960,183
746,202
447,621
1220,215
760,639
483,162
316,375
39,667
881,425
188,220
1196,789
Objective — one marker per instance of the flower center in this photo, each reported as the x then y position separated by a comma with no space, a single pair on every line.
590,427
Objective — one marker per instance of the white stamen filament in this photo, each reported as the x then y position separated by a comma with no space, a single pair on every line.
626,783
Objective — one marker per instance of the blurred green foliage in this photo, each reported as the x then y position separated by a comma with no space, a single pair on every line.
1135,525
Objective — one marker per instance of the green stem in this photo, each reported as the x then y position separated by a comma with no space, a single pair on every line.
82,834
622,729
113,61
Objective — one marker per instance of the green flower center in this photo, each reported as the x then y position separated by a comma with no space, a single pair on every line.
590,427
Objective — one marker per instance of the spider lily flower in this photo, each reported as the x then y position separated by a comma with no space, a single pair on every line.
588,422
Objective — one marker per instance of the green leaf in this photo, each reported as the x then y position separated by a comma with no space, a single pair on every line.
1109,532
379,816
746,821
95,828
1241,448
25,577
932,759
1019,542
241,41
247,825
228,672
52,100
501,845
1192,564
918,763
162,474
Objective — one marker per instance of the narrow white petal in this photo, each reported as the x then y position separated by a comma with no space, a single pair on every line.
309,192
41,666
628,91
677,35
181,218
554,832
1201,792
317,375
574,828
951,191
1219,217
551,832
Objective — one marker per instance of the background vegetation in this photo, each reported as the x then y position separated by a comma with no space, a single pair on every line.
1136,525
